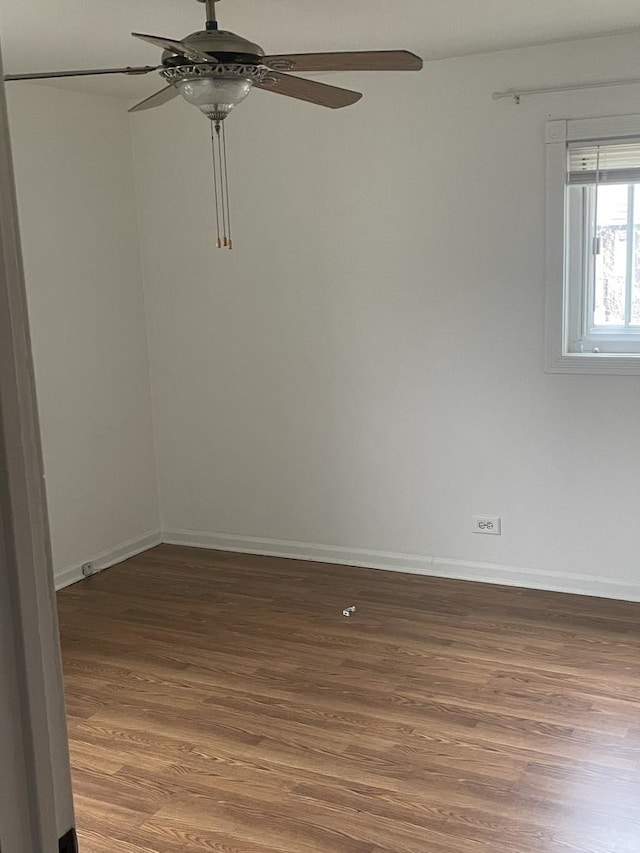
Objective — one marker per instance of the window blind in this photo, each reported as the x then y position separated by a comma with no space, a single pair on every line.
604,162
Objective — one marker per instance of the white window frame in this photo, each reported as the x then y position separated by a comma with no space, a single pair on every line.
564,304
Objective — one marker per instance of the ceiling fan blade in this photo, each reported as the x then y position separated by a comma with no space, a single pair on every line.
175,47
87,72
356,60
156,100
309,90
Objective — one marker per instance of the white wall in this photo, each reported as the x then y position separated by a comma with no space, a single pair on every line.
365,369
75,185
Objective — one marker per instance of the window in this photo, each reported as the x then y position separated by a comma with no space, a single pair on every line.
593,245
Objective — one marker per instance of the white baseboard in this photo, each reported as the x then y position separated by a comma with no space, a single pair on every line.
577,584
104,559
418,564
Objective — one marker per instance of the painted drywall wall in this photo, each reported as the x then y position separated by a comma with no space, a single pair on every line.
75,186
364,371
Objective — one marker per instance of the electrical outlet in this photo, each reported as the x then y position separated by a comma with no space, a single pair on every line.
491,524
87,569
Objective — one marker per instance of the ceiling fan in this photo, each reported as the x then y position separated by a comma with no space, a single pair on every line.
215,70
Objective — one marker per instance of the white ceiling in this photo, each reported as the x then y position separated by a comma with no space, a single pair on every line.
41,35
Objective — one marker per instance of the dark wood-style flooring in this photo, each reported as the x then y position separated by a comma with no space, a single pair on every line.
221,702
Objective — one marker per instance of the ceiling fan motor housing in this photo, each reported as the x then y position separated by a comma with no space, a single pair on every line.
218,86
219,44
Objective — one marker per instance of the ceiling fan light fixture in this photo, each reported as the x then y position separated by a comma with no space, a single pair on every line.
214,89
215,98
215,70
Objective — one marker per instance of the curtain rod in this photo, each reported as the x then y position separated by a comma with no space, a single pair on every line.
516,94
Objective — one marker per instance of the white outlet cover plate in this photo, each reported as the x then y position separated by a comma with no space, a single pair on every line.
490,524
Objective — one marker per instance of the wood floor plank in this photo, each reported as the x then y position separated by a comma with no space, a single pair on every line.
221,702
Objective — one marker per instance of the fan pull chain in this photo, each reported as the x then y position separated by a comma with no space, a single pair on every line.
226,183
225,241
221,185
215,186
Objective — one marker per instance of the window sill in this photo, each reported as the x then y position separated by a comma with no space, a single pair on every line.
604,363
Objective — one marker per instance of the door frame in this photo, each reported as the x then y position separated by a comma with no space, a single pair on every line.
36,803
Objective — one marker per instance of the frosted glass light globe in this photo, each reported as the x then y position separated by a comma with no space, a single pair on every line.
215,96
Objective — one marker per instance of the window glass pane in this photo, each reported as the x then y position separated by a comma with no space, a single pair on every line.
611,262
635,283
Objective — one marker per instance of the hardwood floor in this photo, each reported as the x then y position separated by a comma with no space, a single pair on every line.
221,702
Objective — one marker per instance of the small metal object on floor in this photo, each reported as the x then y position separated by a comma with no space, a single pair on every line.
349,611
